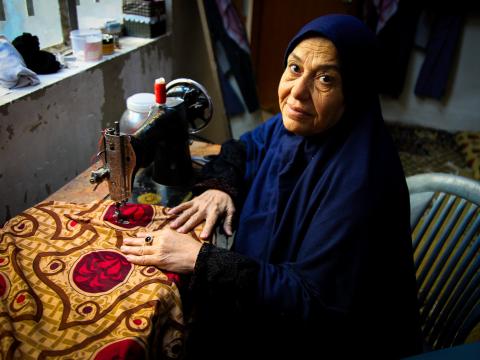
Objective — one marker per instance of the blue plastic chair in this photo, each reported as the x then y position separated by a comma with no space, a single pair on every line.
445,220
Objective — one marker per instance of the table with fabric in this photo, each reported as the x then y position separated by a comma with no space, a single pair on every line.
66,290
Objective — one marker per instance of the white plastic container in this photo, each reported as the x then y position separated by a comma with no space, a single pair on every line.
138,107
87,44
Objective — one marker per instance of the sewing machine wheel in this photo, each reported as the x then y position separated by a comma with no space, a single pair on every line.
197,100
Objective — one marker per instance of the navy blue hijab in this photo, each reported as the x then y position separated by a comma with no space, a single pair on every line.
327,218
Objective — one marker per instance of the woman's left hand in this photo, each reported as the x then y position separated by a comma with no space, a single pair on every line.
169,250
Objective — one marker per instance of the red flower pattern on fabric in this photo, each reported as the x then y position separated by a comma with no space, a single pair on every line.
131,215
3,285
100,271
124,349
174,277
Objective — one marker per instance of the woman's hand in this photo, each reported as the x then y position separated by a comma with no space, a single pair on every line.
169,250
208,206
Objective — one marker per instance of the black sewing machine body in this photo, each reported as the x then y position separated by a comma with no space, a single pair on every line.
153,165
163,140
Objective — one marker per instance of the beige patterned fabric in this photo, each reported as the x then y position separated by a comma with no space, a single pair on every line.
67,292
469,142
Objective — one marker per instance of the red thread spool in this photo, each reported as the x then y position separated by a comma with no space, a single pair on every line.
160,91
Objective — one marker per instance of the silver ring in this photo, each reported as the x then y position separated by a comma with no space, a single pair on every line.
148,240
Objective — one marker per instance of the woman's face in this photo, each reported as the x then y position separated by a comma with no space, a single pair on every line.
310,90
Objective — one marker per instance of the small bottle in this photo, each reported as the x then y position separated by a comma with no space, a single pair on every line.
138,108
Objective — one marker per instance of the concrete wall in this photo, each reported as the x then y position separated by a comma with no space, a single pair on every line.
460,108
49,137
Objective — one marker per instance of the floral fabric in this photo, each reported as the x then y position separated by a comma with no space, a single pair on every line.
67,292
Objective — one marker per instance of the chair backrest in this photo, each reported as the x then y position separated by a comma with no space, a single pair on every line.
445,220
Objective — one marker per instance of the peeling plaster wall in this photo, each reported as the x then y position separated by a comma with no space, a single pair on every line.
49,137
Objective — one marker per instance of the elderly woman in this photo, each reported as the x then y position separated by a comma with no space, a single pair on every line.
321,264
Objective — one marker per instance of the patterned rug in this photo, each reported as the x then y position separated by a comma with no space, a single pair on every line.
424,150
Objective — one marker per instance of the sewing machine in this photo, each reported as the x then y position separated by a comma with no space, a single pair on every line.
153,165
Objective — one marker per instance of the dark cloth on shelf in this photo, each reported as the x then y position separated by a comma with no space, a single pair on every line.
410,25
39,61
395,42
385,10
230,97
440,53
238,59
323,233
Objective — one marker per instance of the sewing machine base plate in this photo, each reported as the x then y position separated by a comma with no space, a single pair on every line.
147,191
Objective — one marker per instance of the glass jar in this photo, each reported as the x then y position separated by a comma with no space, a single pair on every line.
138,107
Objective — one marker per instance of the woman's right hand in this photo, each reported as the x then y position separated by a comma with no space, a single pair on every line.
208,206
